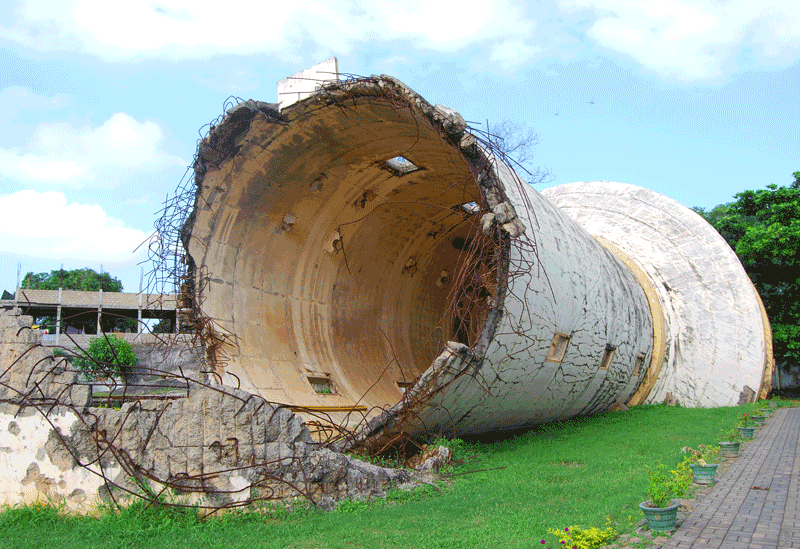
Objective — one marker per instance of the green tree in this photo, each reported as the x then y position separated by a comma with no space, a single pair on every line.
763,228
107,356
84,280
163,326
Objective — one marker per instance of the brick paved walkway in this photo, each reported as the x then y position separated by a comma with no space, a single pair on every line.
756,504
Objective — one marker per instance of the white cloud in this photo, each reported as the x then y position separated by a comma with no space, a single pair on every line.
196,29
681,39
694,39
15,99
59,153
46,225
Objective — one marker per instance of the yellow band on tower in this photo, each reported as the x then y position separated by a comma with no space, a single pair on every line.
659,326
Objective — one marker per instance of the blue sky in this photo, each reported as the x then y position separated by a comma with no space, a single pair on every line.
101,102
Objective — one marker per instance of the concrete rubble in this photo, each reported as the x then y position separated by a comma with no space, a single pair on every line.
212,449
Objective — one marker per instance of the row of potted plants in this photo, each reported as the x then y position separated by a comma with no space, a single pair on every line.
699,466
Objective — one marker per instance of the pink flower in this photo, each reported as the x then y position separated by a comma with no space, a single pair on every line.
542,542
566,529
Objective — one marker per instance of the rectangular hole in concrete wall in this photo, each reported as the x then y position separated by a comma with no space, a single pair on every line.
321,384
608,357
401,165
471,208
637,367
404,385
558,348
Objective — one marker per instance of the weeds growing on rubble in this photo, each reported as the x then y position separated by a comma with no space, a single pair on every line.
575,472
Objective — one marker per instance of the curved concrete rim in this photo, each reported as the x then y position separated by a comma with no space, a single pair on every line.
659,330
373,200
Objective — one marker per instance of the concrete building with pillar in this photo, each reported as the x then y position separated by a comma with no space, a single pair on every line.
65,306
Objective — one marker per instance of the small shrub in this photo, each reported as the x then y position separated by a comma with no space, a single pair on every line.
664,485
590,538
107,356
59,353
729,435
743,421
704,454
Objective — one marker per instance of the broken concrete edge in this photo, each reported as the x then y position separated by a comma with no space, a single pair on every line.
215,449
379,433
499,220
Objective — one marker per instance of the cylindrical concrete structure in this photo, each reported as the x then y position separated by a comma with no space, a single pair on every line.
363,250
719,340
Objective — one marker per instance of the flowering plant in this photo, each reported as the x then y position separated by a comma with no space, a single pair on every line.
575,537
704,454
744,419
732,435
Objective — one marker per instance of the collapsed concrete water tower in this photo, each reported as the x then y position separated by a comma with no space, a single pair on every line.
366,252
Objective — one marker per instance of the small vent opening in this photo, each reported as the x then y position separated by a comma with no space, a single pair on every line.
405,385
558,348
637,367
608,357
471,208
321,385
402,165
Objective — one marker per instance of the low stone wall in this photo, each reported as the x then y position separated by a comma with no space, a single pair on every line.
217,447
75,341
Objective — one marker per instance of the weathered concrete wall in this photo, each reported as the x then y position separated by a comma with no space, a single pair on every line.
329,262
565,284
717,338
213,448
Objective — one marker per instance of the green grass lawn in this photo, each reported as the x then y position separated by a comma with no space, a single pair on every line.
577,472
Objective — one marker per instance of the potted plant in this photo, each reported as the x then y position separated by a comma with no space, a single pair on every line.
744,430
763,408
661,511
702,462
729,443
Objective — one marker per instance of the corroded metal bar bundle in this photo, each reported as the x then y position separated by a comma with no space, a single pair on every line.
367,253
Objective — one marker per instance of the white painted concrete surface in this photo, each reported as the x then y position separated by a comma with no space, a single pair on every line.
304,83
715,334
32,470
565,283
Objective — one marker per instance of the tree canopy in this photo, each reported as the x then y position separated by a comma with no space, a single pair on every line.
85,280
763,228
